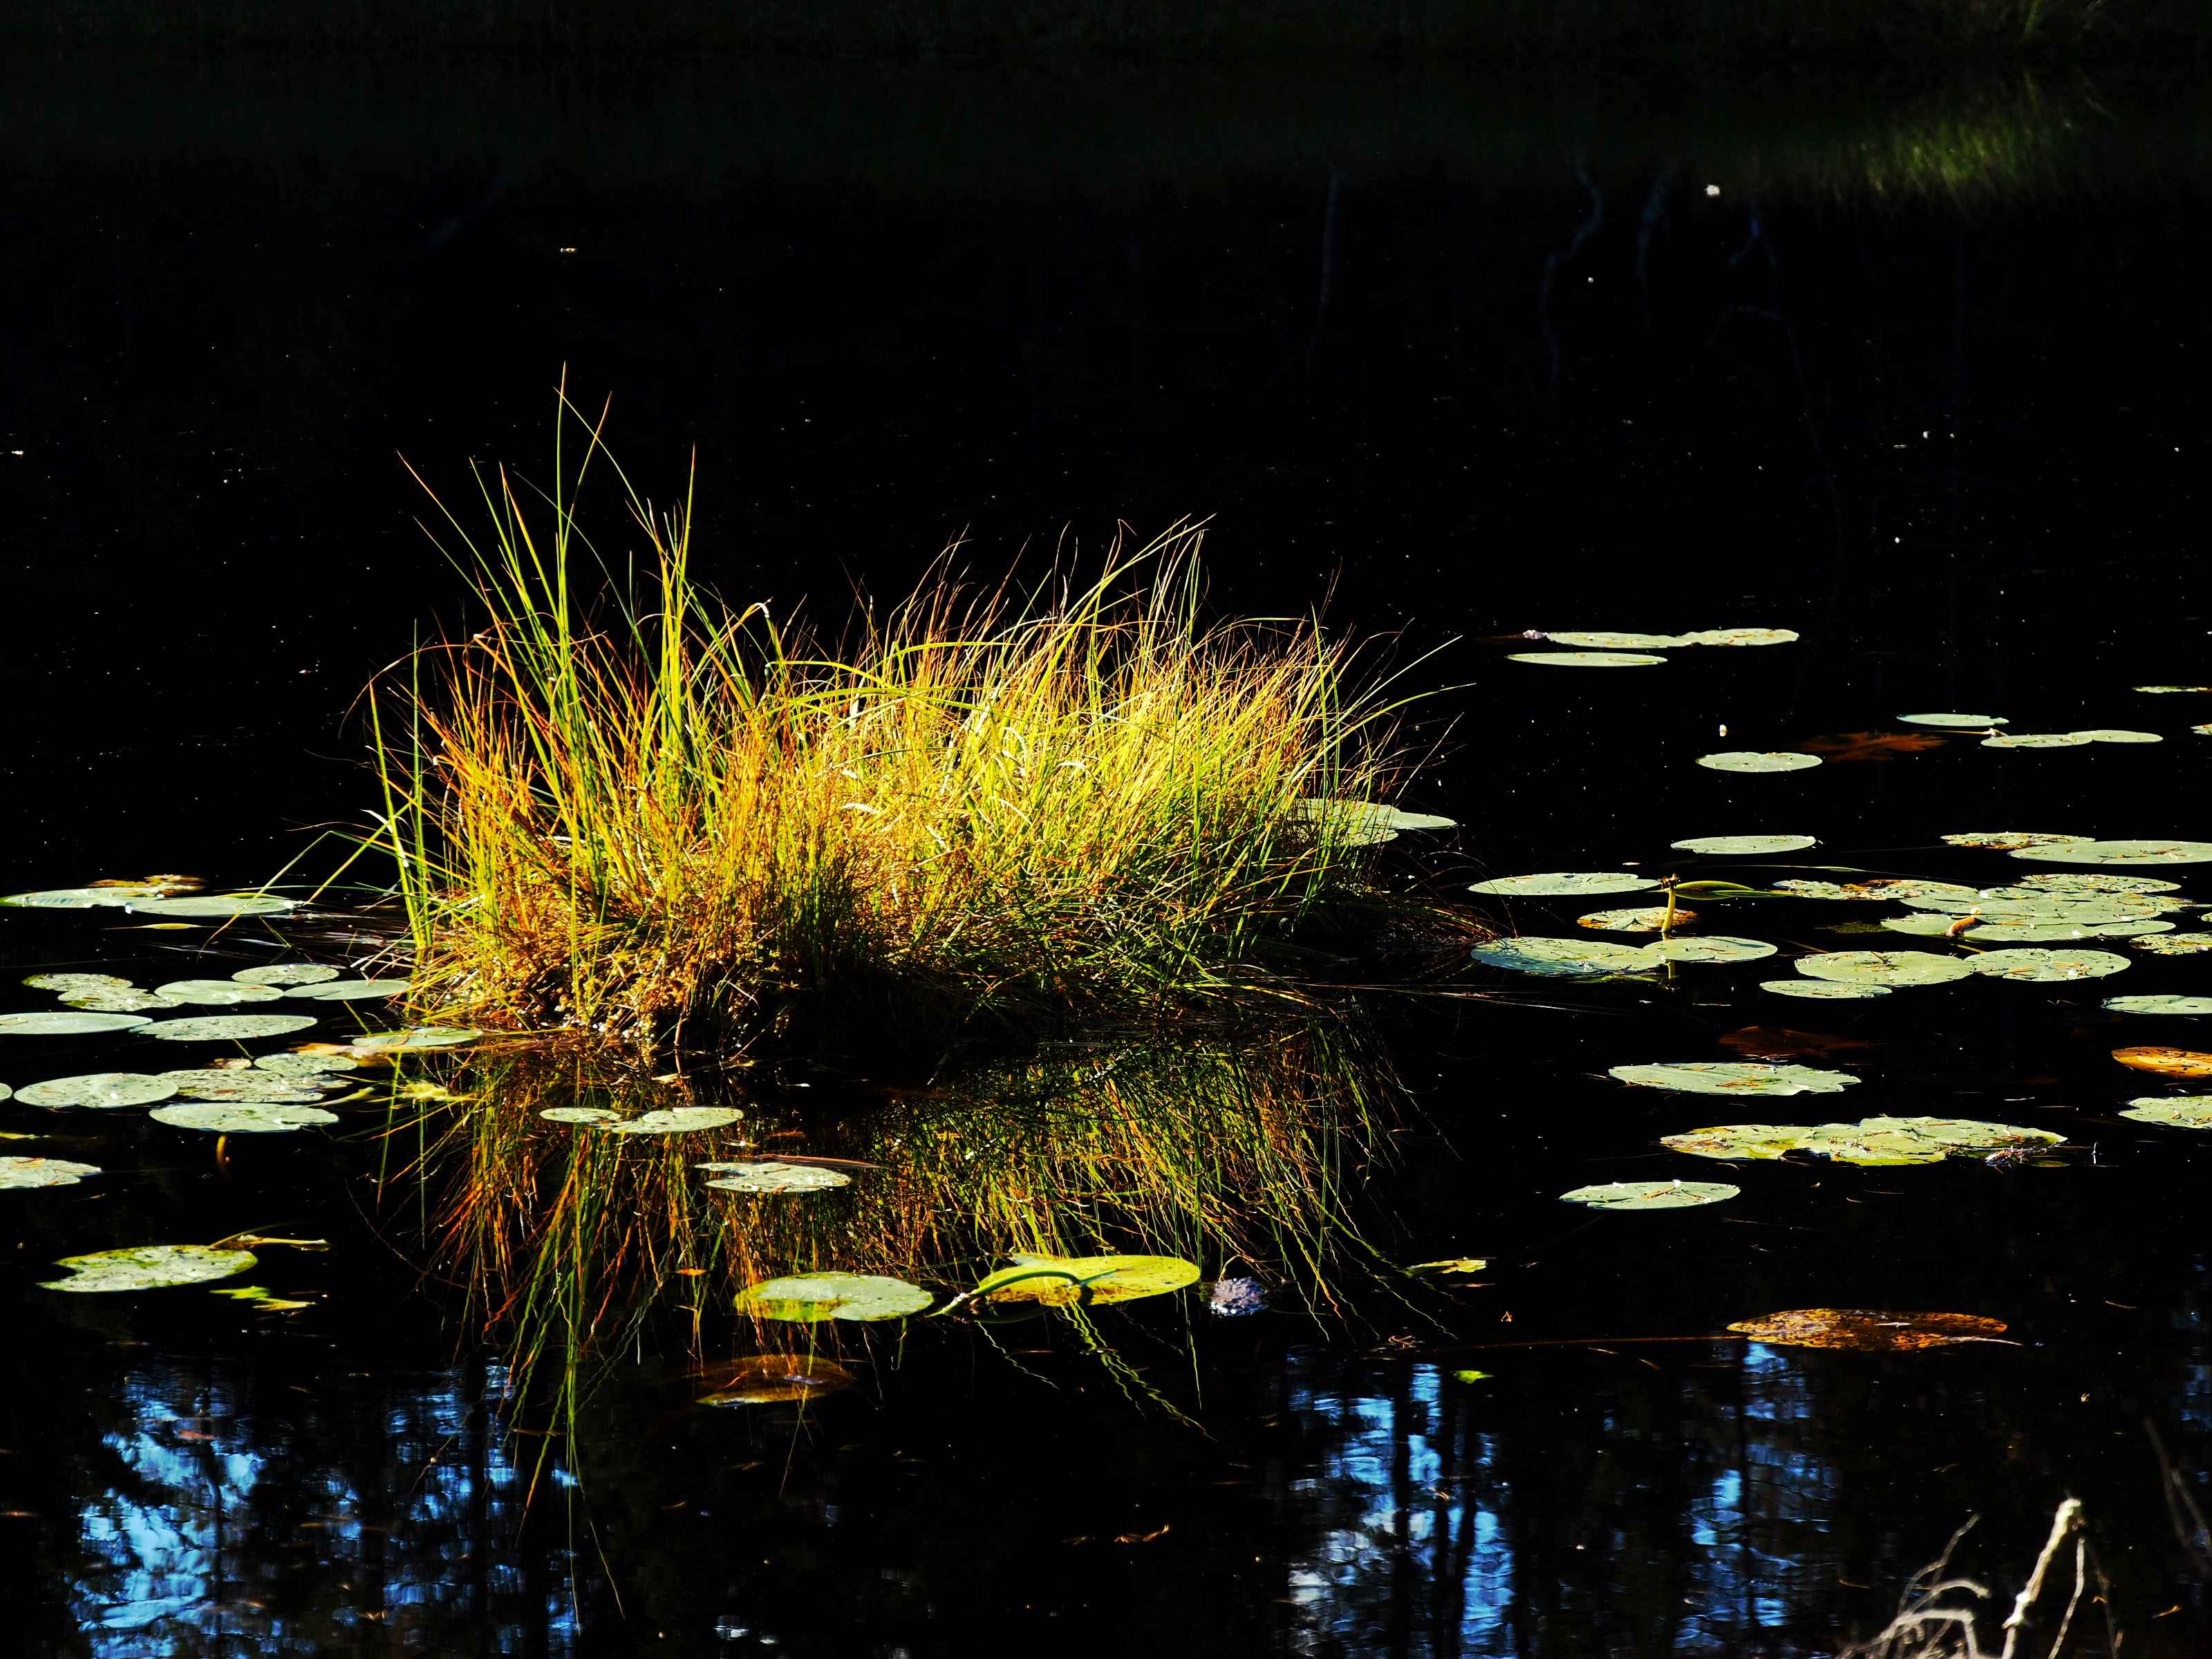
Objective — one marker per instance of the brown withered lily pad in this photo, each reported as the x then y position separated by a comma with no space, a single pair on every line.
1868,1331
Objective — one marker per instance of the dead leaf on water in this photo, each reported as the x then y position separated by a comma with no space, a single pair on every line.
1873,745
2167,1062
1868,1331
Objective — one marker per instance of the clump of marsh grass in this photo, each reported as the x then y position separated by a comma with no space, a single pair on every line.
654,816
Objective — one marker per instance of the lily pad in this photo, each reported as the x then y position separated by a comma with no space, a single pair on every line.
2175,945
678,1120
1564,956
420,1036
348,990
2167,1062
1882,966
776,1379
305,1064
218,992
17,1174
1561,883
1060,1281
2174,1112
2120,852
223,1028
809,1298
1958,722
1744,846
579,1115
1867,1330
2114,734
2039,740
242,1117
1750,760
769,1176
82,898
68,1024
2074,881
1587,658
286,973
1648,921
1734,1076
67,982
2160,1005
2009,933
2008,841
1742,636
99,1090
1961,1134
126,999
1999,904
149,1267
1823,989
216,904
1361,820
243,1084
1604,642
1761,1141
1710,949
1651,1194
2046,967
2163,690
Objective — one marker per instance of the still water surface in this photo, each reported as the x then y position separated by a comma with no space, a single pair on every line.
1910,372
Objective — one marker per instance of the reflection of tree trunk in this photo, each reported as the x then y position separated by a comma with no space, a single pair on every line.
1401,1507
1446,1553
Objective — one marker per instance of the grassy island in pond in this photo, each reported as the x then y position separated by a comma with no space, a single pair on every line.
663,819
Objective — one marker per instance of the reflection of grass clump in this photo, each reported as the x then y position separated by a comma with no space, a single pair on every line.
634,816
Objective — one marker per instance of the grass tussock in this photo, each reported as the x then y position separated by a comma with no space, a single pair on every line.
626,807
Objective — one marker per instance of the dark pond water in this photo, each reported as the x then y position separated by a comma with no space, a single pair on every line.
1911,370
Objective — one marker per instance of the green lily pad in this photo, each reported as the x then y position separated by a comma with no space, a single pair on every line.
241,1117
19,1174
1586,659
1960,722
1734,1076
777,1379
2007,840
68,1024
1874,1141
286,973
1651,1194
1762,1141
421,1036
149,1267
1366,822
2162,690
809,1298
1882,966
243,1084
1742,636
2045,967
348,990
1558,883
1649,920
66,983
218,992
1710,949
1060,1281
2120,852
2175,1111
305,1064
218,904
1822,989
769,1176
1963,1134
2160,1005
1604,642
2204,730
2074,881
84,898
108,999
1999,904
99,1089
2175,945
224,1028
2113,734
579,1115
678,1120
2039,740
1750,760
1564,956
1923,926
2051,932
1744,846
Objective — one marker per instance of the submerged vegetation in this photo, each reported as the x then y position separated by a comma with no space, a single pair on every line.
660,819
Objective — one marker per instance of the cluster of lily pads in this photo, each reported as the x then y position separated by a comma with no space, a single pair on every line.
1600,649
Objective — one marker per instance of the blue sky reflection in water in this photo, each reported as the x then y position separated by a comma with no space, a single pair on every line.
1915,383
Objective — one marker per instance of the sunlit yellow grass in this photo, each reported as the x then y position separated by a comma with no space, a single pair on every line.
662,816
